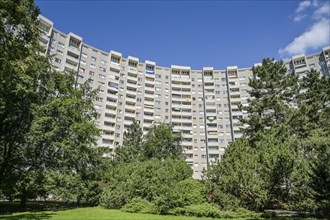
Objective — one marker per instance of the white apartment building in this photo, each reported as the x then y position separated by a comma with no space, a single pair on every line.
202,104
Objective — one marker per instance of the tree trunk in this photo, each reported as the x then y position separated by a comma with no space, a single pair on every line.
78,200
23,198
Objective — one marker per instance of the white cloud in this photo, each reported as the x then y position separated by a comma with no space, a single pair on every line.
315,37
323,11
298,18
303,5
301,10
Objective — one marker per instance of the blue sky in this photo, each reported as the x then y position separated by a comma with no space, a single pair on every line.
196,33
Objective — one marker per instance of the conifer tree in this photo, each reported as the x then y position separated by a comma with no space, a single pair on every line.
132,144
273,92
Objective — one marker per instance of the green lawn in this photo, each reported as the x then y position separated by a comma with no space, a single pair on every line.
95,213
91,213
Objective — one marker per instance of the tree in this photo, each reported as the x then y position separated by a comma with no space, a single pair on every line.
147,179
46,124
273,91
132,144
236,179
161,142
320,172
313,101
21,69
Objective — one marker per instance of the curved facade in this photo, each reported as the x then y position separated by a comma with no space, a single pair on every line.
202,104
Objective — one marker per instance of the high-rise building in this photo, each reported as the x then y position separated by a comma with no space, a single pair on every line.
202,104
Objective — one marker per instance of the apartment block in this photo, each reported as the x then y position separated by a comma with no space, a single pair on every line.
202,104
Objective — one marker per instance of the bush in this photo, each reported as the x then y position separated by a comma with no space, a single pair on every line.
146,179
210,210
191,191
201,210
167,202
139,205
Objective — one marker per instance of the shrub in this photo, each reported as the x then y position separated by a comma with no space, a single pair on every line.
210,210
200,210
167,202
139,205
191,191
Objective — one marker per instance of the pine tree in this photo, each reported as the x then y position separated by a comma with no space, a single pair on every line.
273,92
132,144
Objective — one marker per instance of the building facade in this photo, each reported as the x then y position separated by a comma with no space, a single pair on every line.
202,104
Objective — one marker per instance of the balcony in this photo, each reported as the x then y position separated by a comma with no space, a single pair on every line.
132,70
130,99
132,78
237,113
115,65
150,103
147,95
74,50
238,99
131,92
130,107
149,117
130,114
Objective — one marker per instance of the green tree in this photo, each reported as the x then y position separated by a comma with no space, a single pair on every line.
236,179
21,70
63,134
320,172
46,124
273,91
313,101
161,142
132,144
147,179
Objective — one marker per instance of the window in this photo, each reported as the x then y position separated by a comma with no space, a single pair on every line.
84,55
150,67
132,63
91,73
61,45
114,59
312,66
93,58
103,62
92,65
58,60
59,52
299,62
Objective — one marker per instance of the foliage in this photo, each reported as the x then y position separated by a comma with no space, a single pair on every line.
277,160
272,92
237,175
47,125
209,210
167,201
21,68
139,205
161,142
146,179
191,191
320,176
132,144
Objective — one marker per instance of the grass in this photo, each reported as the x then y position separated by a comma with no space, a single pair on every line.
92,213
62,211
